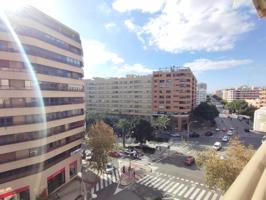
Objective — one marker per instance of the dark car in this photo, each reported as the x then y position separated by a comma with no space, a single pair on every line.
246,130
208,133
194,134
190,160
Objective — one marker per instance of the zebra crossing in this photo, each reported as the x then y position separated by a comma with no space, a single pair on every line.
178,188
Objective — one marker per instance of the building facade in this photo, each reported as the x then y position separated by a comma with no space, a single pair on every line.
174,94
260,120
41,104
130,95
241,93
201,93
262,97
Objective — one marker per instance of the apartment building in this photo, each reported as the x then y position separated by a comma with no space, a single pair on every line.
174,94
201,93
262,97
130,95
241,93
41,104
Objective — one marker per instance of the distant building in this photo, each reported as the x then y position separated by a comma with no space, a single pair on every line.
174,94
201,93
260,120
130,95
219,93
241,93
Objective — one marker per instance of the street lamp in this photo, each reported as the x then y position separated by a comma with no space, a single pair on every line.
93,196
188,126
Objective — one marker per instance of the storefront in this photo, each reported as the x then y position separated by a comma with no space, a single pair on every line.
18,194
56,180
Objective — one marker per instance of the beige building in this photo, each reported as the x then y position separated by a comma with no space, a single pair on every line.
262,97
41,105
130,95
253,102
174,94
241,93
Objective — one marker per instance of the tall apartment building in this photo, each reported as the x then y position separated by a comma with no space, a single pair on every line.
201,93
262,97
37,148
129,95
174,94
241,93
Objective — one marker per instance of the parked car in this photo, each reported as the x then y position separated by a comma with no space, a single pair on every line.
175,135
217,146
88,154
190,160
193,134
225,138
115,154
246,130
109,168
208,133
230,132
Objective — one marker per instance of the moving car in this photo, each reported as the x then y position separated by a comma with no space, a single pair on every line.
175,135
208,133
232,129
230,132
109,168
217,146
225,138
190,160
193,134
224,129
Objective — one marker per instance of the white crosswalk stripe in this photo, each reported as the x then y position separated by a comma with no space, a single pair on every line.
167,187
208,195
182,191
172,188
179,188
214,196
189,192
201,194
158,180
194,193
143,179
161,186
159,183
150,181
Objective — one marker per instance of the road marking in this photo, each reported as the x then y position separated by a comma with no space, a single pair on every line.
144,178
194,194
92,190
167,187
182,185
160,182
189,192
172,188
101,182
151,180
113,178
214,196
201,194
109,180
165,183
183,191
208,195
152,184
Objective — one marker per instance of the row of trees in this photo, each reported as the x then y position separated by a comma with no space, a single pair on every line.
241,107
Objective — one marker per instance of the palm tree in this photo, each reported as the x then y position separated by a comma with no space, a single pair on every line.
162,122
125,127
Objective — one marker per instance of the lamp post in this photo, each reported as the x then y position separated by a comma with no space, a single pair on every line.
188,126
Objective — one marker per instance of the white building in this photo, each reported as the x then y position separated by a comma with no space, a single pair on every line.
201,93
260,120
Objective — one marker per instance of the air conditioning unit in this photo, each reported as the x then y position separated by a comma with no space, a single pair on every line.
260,6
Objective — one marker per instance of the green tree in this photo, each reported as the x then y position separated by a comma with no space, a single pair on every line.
237,106
161,122
221,172
143,131
205,111
125,126
101,140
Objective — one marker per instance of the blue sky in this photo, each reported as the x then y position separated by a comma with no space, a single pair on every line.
223,43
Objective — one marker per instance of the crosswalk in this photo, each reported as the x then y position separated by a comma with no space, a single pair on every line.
178,188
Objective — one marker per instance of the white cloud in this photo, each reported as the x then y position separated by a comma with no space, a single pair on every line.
110,25
150,6
126,69
190,25
95,54
200,65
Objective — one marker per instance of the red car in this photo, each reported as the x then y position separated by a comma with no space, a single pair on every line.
224,129
114,154
190,160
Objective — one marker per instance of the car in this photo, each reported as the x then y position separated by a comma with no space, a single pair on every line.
175,135
225,138
224,129
193,134
208,133
114,154
263,139
190,160
88,154
217,129
217,146
109,168
229,132
232,129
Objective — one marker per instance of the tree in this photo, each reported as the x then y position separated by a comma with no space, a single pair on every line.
143,131
241,107
162,122
101,140
124,125
221,172
205,111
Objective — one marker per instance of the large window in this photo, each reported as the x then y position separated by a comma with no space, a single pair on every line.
56,180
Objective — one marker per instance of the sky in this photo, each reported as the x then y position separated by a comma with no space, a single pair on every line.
223,42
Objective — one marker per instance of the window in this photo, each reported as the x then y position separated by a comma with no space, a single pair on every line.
73,169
